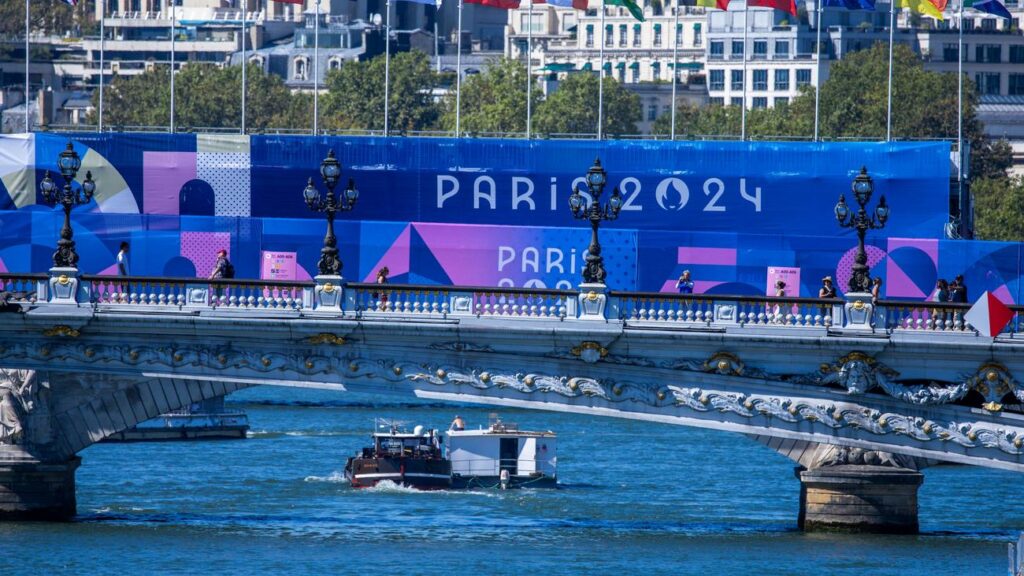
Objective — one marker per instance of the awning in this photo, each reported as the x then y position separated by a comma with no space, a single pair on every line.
609,27
687,65
655,64
590,27
607,66
620,66
558,67
636,27
634,66
657,27
696,25
588,66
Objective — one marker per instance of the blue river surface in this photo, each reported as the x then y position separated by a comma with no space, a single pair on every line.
633,497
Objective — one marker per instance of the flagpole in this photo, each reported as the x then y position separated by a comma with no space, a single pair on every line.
892,31
27,58
600,77
817,87
174,11
743,112
960,108
458,75
316,71
245,7
387,62
437,40
103,42
675,68
529,69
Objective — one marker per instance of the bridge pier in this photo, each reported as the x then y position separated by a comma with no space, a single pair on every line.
32,490
859,498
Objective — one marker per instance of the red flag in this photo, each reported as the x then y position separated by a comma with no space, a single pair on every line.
989,315
784,5
503,4
289,1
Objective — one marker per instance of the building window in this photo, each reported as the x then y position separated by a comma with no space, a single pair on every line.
803,78
657,35
635,73
697,39
1017,54
622,75
717,50
737,49
988,24
760,79
737,79
590,36
652,111
782,79
782,48
760,49
679,36
781,102
609,35
300,69
988,53
987,82
734,101
622,35
760,102
1016,87
949,52
716,101
716,80
334,64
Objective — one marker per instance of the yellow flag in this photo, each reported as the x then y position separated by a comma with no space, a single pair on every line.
922,7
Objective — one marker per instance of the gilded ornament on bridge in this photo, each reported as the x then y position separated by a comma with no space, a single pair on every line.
63,279
485,377
858,373
178,357
328,287
441,373
62,330
309,364
591,295
89,352
222,359
133,355
589,351
326,338
993,382
265,361
725,363
397,370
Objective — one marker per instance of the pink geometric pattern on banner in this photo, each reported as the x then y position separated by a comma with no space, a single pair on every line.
201,248
163,175
712,256
897,284
396,258
1003,293
460,250
927,245
109,270
844,270
3,268
301,274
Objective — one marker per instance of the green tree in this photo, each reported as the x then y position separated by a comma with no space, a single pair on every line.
572,108
999,208
206,96
47,16
492,101
355,98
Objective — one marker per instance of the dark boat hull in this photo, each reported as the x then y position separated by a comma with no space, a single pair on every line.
412,472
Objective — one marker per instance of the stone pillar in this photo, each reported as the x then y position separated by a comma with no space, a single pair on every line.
859,498
32,490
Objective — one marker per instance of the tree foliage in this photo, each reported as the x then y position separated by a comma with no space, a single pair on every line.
206,96
46,16
999,208
355,98
493,101
572,108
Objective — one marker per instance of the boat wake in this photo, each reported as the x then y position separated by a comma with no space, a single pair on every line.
334,478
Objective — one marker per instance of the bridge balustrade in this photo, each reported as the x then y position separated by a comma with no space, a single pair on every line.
397,300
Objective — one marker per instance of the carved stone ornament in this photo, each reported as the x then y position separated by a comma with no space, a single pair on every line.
725,363
993,381
61,330
18,398
589,351
830,455
327,338
857,372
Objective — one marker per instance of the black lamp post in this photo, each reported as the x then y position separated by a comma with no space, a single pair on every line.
330,171
862,188
594,272
67,198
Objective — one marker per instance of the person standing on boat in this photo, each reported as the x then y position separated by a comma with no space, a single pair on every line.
458,423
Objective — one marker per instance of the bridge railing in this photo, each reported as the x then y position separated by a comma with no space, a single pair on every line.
400,300
665,308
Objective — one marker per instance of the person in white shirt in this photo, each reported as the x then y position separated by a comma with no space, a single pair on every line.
122,260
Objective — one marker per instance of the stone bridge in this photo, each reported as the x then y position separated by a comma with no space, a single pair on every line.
860,394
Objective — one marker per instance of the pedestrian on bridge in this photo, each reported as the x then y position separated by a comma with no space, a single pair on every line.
122,260
382,278
958,290
827,289
684,284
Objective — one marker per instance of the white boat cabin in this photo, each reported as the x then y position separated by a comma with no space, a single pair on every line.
486,452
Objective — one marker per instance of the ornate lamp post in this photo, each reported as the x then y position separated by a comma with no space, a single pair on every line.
862,222
330,171
594,272
67,198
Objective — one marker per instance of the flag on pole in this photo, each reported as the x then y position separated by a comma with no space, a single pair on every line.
989,315
717,4
503,4
577,4
783,5
630,5
849,4
922,7
994,7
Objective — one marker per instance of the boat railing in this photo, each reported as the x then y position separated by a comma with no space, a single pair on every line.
492,467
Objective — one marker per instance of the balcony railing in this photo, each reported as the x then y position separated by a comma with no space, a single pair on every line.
411,301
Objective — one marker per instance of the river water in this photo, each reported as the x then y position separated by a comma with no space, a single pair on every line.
634,497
